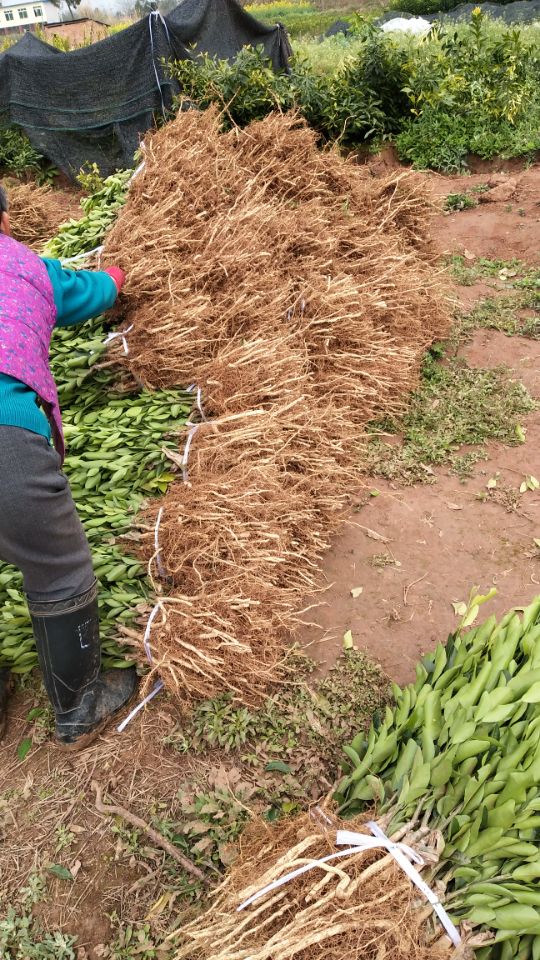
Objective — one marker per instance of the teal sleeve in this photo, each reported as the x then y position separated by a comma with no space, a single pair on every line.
79,294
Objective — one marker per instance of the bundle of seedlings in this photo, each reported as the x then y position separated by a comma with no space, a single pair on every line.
241,545
216,251
358,905
461,748
296,294
37,212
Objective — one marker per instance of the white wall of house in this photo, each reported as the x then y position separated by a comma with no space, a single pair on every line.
27,14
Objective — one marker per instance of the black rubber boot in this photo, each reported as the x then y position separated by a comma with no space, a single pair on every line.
6,686
69,651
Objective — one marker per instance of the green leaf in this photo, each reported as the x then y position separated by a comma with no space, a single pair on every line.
441,773
533,694
482,598
348,643
24,747
515,916
277,765
499,714
520,433
60,871
34,713
471,616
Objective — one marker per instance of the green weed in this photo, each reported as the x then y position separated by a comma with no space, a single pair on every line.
381,560
467,274
459,201
302,716
64,838
131,942
22,938
504,314
34,890
454,405
516,312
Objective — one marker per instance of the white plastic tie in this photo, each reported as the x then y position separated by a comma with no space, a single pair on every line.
199,404
156,14
159,564
136,172
83,256
187,448
193,388
146,638
404,855
155,689
122,334
159,683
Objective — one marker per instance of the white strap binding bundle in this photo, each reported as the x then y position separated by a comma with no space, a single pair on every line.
404,855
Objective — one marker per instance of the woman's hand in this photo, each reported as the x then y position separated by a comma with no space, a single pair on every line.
117,275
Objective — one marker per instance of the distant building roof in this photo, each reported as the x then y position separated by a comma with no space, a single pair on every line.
25,3
65,23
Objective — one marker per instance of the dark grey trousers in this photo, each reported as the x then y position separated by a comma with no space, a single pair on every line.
40,532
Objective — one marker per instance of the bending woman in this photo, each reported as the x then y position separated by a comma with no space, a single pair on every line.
40,531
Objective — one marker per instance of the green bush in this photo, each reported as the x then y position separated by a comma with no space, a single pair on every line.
470,89
245,90
17,155
420,7
361,100
442,141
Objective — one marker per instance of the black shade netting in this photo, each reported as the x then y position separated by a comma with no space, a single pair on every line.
92,105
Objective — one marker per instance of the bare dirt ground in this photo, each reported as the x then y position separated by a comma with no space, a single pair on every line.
443,538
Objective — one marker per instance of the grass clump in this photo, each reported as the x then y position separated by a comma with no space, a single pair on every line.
505,314
455,405
459,201
464,201
516,312
467,274
303,715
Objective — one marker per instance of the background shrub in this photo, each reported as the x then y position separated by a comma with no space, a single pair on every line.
17,155
467,89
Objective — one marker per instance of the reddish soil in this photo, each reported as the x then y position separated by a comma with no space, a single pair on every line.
499,230
51,791
444,538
